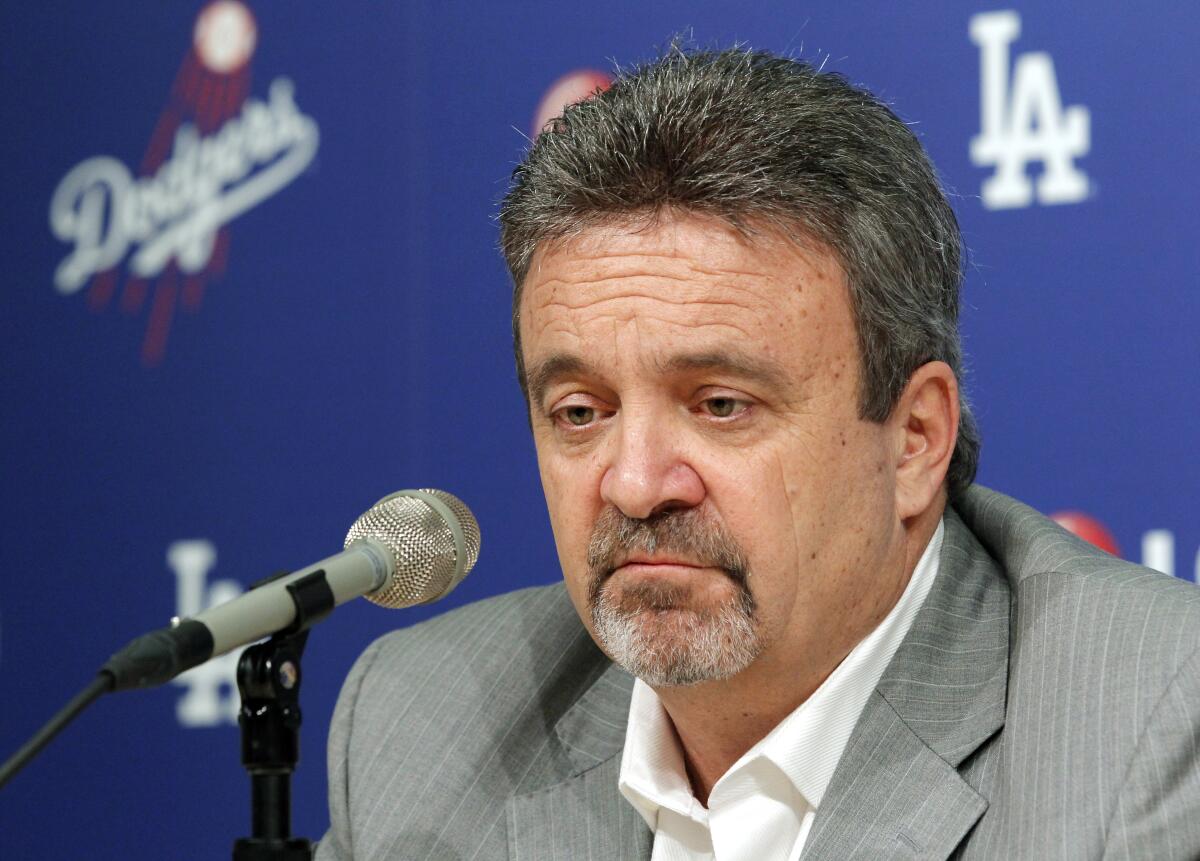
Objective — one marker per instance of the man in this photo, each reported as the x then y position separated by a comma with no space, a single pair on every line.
804,633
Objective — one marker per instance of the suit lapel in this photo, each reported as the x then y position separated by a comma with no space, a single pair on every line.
896,792
584,816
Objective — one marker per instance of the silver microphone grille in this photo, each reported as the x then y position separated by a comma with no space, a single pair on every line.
433,539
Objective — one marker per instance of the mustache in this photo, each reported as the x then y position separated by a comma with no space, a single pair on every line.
691,533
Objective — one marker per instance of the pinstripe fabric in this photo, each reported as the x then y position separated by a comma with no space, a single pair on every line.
1058,687
1098,757
493,731
1045,705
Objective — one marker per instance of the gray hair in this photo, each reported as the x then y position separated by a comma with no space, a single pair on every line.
753,138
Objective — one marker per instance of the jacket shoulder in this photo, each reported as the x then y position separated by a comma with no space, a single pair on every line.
497,634
1073,598
1103,711
479,663
1041,560
439,724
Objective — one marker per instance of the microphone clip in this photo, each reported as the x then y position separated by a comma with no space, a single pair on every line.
313,600
269,679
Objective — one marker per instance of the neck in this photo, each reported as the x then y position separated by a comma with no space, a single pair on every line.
717,722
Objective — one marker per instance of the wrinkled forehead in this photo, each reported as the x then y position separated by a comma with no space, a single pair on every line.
648,287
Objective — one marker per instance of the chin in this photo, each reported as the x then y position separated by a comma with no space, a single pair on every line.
676,644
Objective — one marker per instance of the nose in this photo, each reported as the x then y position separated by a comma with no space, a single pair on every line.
646,473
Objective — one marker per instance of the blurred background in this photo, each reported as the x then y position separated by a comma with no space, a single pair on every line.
251,285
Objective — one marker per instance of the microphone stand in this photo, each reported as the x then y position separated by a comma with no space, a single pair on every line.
269,683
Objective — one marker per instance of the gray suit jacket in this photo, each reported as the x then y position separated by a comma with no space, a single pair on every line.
1044,705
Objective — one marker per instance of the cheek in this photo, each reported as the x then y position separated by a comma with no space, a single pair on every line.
752,496
571,487
839,499
813,488
572,501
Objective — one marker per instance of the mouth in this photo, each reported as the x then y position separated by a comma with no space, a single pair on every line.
682,553
659,564
665,570
668,584
663,588
679,561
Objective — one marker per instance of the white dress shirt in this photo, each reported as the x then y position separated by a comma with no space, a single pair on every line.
763,807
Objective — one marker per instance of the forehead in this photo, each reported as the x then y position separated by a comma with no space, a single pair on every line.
683,281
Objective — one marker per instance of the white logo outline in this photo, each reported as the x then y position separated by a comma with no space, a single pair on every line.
175,213
1022,119
212,697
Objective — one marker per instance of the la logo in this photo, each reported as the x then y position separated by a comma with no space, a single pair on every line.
1024,123
212,697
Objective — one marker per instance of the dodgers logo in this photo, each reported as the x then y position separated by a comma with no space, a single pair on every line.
215,153
1023,120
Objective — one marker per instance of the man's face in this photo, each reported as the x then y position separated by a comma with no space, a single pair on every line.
715,499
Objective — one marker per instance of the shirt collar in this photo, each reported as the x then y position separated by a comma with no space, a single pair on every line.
805,746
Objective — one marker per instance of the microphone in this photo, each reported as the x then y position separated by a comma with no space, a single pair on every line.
411,547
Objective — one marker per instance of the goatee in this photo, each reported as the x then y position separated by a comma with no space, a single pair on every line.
661,632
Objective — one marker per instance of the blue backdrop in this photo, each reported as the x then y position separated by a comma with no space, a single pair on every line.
251,286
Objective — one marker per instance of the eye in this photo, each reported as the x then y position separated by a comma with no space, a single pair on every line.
579,415
724,407
582,415
721,407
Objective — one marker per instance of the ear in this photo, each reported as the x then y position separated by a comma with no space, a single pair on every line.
925,425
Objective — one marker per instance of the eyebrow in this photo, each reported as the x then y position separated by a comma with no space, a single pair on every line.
559,365
554,367
738,364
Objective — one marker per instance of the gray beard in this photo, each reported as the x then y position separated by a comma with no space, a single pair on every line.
652,630
679,645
